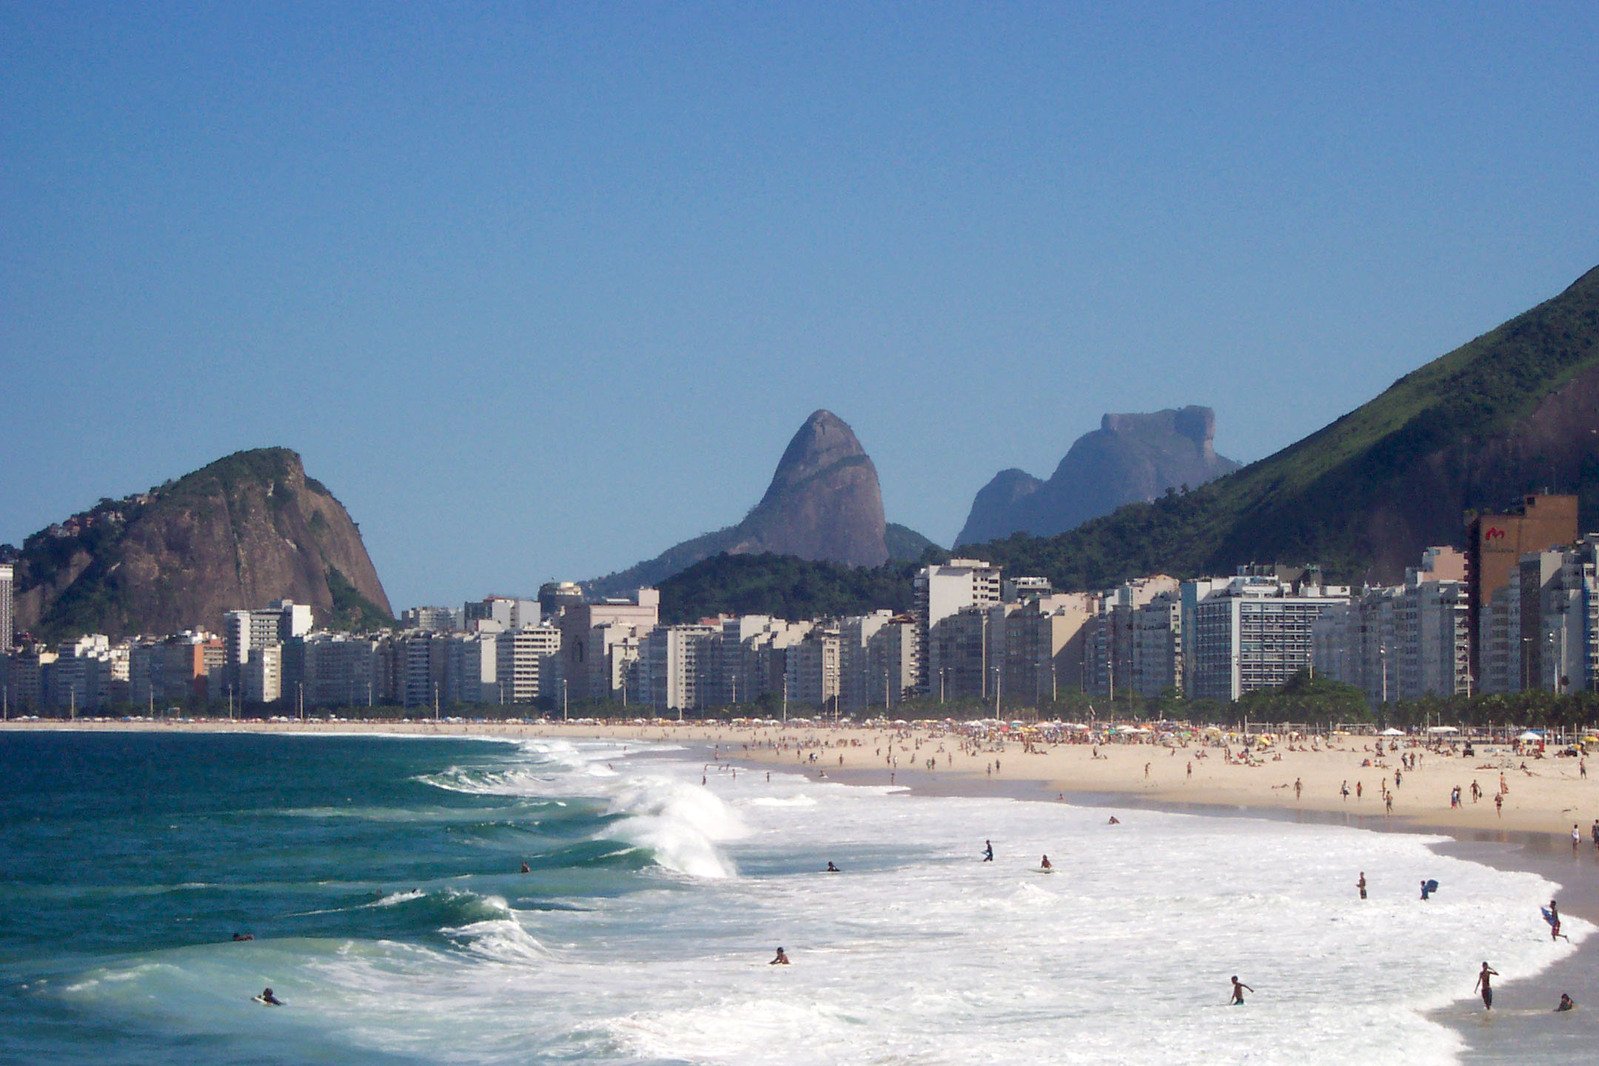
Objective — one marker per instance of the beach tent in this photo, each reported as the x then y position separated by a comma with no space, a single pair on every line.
1442,729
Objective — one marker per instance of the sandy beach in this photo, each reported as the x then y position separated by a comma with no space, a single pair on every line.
1543,798
1344,778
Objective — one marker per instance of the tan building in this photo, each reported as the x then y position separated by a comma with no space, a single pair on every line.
1496,543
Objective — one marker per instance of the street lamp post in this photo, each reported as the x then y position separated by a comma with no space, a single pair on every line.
563,700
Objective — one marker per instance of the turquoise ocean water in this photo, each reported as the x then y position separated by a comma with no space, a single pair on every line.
379,879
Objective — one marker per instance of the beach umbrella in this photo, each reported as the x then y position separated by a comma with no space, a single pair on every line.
1392,732
1442,729
1530,735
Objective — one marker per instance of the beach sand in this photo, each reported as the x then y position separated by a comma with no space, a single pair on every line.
1544,798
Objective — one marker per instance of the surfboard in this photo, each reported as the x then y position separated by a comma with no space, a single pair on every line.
1547,916
264,1003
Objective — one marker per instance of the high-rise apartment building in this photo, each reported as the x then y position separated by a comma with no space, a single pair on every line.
1496,543
940,592
7,618
599,639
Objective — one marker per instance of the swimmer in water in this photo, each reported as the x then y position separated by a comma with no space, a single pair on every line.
781,960
269,999
833,869
1044,865
1238,991
1565,1002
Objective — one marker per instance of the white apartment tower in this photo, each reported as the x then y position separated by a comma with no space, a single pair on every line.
941,592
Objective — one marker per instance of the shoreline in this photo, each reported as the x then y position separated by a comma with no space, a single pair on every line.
1531,834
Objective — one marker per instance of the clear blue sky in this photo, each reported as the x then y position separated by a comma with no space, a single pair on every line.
539,290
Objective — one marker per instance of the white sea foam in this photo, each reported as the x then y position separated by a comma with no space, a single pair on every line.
920,953
682,824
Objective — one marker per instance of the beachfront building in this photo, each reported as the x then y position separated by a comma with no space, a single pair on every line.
813,670
1402,642
1046,644
599,641
957,654
941,592
423,659
472,668
1255,632
270,626
7,617
888,668
261,675
1495,546
1112,663
1542,630
669,675
343,670
80,678
175,670
527,665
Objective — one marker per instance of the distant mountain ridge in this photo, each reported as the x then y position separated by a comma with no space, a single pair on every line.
240,532
1130,458
1513,411
824,503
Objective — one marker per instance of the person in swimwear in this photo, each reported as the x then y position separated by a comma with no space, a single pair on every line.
988,851
1484,981
833,869
1045,864
1565,1002
1238,991
269,999
781,960
1361,884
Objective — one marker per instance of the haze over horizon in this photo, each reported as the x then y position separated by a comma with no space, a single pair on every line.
539,292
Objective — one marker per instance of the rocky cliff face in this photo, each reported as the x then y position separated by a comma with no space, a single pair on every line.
1130,458
240,532
824,503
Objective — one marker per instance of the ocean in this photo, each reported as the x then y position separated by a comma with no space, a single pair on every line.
379,879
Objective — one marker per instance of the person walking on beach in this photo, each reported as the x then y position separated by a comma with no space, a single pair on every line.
1499,804
1596,832
1299,786
1361,884
1238,991
1576,838
1484,982
988,851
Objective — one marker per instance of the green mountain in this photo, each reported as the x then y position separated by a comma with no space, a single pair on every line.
245,530
1513,411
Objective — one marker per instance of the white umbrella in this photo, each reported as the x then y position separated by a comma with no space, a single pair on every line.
1530,735
1442,729
1392,732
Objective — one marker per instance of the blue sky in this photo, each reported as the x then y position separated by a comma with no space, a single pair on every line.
540,290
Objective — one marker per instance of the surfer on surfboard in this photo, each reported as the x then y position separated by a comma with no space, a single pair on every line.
268,998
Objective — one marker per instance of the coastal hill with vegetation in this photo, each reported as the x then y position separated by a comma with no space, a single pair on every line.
1510,412
240,532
